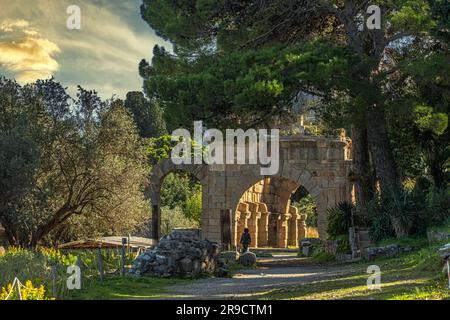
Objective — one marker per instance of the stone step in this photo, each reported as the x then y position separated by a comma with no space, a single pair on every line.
363,236
365,244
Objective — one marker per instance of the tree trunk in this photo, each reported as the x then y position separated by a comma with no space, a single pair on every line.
380,149
60,216
364,182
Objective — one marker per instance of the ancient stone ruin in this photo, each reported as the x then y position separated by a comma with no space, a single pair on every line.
262,203
181,253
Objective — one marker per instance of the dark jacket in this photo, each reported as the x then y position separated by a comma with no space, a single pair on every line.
246,239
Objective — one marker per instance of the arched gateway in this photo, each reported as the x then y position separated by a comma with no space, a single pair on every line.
262,203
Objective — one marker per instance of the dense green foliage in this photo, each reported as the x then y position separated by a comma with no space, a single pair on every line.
147,115
340,219
307,205
69,168
252,63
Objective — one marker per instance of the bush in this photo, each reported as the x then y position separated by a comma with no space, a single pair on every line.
28,292
193,207
175,218
340,219
307,205
23,264
438,206
320,255
406,212
344,244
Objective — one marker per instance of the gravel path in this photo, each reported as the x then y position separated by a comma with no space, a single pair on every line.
251,283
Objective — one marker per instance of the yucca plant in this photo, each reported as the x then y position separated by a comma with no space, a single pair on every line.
340,218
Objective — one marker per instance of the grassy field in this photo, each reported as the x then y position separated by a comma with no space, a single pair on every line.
114,288
416,275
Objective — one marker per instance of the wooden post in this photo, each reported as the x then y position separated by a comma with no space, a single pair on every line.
100,263
225,224
129,244
54,289
122,270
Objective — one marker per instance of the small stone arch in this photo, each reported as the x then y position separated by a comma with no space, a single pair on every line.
156,179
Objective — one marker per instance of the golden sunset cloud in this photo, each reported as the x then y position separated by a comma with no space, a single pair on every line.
30,56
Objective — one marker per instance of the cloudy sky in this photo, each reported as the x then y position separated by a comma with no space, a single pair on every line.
104,55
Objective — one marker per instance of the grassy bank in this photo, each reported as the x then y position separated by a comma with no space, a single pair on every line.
416,275
113,288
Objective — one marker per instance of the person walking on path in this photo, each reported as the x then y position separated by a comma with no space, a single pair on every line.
245,240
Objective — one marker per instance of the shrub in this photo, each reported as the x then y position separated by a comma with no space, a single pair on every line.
193,207
405,213
344,244
307,205
438,205
175,218
340,219
28,292
23,264
378,220
320,255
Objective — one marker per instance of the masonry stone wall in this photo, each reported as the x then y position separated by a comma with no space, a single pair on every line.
318,164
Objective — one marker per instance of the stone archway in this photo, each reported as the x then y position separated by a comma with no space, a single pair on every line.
320,165
156,179
265,209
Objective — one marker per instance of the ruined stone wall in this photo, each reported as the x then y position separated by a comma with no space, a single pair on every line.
318,164
266,211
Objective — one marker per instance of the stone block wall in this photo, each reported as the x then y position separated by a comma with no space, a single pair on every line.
262,203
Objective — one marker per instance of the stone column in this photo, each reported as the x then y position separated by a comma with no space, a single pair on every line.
302,227
252,223
283,230
293,226
242,223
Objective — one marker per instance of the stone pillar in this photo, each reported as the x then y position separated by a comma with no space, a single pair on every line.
252,223
236,221
302,227
293,226
263,224
283,230
244,215
272,229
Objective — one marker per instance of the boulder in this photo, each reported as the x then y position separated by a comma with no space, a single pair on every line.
247,259
181,253
437,236
229,256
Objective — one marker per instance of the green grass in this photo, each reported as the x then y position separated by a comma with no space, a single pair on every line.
416,275
415,242
445,227
126,287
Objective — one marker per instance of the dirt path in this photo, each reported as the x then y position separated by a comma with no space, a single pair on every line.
274,273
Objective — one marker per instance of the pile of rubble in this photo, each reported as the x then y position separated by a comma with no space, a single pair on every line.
181,253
